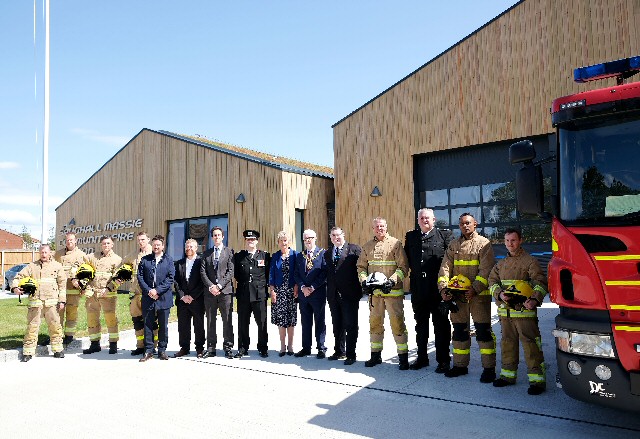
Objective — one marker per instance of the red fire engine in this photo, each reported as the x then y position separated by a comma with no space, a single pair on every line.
594,274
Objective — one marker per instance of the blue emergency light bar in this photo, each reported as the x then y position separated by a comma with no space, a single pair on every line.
622,67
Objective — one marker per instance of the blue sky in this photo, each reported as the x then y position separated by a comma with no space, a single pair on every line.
270,75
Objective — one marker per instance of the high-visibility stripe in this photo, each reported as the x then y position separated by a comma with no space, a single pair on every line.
483,280
554,245
487,351
540,289
393,293
94,337
509,373
536,378
103,273
29,351
383,263
618,258
140,337
443,279
461,351
528,313
626,307
463,262
485,293
402,346
376,345
400,274
73,292
618,283
627,328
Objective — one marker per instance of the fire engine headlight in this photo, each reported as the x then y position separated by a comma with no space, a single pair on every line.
603,372
594,345
574,368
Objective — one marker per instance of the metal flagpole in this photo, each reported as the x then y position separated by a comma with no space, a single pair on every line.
45,151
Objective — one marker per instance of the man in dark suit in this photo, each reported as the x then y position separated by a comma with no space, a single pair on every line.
343,294
217,274
251,271
189,300
155,277
425,249
310,275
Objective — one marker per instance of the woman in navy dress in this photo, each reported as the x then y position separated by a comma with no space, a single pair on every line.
283,291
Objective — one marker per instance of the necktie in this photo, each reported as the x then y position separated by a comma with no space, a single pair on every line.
336,256
216,255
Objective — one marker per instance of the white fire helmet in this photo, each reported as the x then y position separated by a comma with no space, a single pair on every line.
376,279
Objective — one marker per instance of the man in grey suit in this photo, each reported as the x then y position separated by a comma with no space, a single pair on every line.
217,275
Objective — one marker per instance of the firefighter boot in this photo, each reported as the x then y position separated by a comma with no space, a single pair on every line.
376,358
58,355
66,341
403,361
95,347
113,347
488,375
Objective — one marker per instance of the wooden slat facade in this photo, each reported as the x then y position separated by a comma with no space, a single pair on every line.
495,85
160,178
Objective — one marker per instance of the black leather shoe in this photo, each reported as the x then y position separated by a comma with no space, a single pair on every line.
456,371
336,356
146,357
137,351
113,347
241,353
94,347
228,354
162,355
199,354
488,375
501,382
302,353
282,354
26,358
419,363
321,355
264,354
66,341
58,355
535,390
181,353
207,354
349,361
442,367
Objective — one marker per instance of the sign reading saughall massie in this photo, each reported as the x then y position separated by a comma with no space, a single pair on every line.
95,232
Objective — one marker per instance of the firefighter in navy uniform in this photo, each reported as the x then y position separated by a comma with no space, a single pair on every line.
471,256
519,286
425,249
45,282
251,271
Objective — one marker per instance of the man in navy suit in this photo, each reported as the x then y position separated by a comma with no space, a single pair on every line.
155,276
216,272
311,277
190,300
343,294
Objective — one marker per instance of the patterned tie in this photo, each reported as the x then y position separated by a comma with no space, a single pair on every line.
216,255
336,256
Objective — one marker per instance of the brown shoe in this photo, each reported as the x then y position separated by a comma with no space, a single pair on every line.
181,353
146,357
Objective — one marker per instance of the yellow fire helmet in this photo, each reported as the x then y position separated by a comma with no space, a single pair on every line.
124,272
519,288
85,271
28,285
459,282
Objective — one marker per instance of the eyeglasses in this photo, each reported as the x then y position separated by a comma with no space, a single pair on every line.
309,237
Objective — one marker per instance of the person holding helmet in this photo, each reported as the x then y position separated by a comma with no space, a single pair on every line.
519,286
135,294
471,256
70,257
384,254
45,281
102,294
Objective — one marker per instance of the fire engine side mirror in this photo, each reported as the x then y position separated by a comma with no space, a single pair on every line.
529,189
522,152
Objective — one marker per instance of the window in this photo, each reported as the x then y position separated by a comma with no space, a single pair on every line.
194,228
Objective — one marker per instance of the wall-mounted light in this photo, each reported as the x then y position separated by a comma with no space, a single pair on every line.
240,198
376,192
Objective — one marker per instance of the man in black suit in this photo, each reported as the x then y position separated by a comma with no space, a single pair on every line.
425,249
343,294
155,277
189,300
311,277
217,274
251,270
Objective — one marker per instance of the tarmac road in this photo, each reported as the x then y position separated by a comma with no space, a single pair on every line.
107,396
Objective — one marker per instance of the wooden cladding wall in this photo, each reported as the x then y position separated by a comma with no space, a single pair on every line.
496,85
160,178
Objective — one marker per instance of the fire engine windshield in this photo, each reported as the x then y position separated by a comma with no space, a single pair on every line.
599,167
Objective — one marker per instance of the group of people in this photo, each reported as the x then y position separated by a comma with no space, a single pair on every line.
451,281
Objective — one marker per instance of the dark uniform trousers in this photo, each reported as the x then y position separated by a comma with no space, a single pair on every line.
344,318
224,303
312,311
259,311
424,308
186,313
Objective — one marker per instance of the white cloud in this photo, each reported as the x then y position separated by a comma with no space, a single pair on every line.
101,138
17,199
9,165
